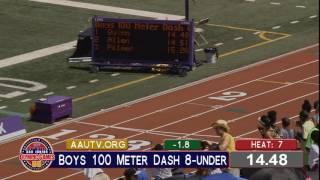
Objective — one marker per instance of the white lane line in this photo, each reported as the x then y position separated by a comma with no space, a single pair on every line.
3,107
294,22
313,16
218,44
223,106
66,177
94,81
100,129
194,99
49,93
36,54
198,50
275,3
18,174
253,113
257,33
183,87
25,100
115,74
71,87
206,129
310,83
276,27
250,0
301,6
112,9
140,130
238,38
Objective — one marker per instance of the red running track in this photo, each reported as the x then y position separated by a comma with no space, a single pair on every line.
240,97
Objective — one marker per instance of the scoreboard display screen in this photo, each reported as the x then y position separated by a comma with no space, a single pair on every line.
133,41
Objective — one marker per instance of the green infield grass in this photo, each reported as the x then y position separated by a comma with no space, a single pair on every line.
27,26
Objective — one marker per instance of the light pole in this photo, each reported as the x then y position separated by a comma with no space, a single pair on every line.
186,10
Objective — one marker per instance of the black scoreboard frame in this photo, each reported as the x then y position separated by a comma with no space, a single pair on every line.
116,60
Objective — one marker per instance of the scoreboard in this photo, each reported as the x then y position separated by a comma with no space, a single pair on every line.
142,42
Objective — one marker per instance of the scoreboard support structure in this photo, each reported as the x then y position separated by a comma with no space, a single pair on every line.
142,45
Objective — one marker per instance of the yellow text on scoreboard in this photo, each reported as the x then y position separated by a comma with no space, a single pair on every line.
101,144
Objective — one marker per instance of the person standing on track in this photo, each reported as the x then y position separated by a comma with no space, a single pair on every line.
222,129
226,142
307,127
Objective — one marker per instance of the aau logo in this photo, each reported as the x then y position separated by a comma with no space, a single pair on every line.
36,154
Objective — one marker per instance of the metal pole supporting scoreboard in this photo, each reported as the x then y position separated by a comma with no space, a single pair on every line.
187,10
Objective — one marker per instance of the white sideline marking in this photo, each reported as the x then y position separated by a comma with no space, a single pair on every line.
198,50
25,100
238,38
36,54
49,93
71,87
257,33
94,81
218,44
301,6
294,22
250,0
115,74
3,107
275,3
276,27
111,9
314,16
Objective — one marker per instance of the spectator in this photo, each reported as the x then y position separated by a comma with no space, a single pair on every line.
306,106
204,145
95,174
204,174
135,174
286,132
277,174
307,123
159,173
200,173
310,141
298,131
226,142
266,129
315,118
272,115
307,126
313,157
177,174
314,151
